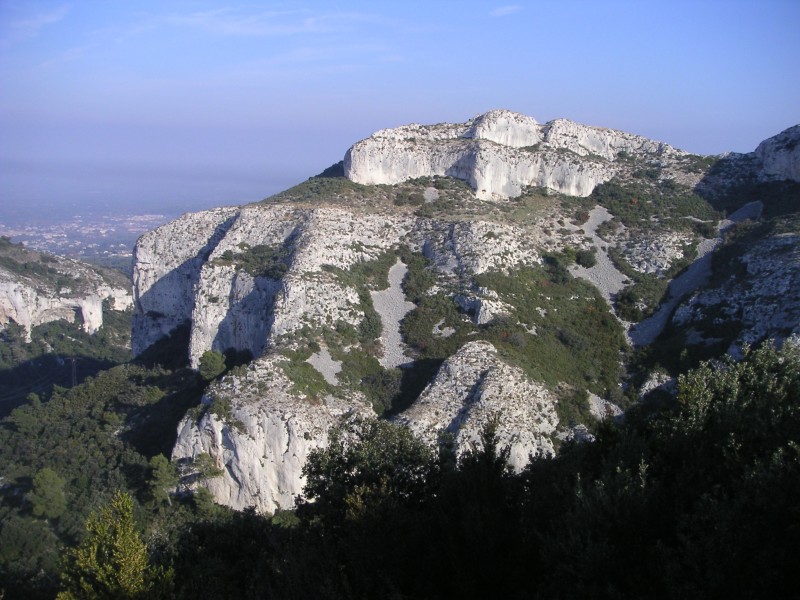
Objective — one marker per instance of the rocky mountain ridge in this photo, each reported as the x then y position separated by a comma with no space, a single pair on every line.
37,288
494,288
501,152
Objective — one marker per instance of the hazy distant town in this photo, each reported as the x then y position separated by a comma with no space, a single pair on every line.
99,238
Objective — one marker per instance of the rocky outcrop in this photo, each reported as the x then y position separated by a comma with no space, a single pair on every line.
259,432
258,429
200,281
166,268
501,152
278,279
779,156
775,159
655,253
760,300
37,288
475,387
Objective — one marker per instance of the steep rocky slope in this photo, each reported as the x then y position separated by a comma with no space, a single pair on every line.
259,431
501,152
473,388
37,288
526,252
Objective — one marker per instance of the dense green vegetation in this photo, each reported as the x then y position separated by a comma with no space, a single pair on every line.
652,204
259,261
46,361
64,452
558,329
645,511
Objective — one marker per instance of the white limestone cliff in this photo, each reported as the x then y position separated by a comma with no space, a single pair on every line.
780,156
259,428
501,152
228,308
261,445
473,387
166,267
65,289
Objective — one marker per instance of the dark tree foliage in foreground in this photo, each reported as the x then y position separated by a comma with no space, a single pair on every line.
696,501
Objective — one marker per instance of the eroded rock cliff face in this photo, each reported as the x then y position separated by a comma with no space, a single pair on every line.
258,432
754,297
166,267
37,288
475,388
779,156
258,429
501,152
307,283
203,282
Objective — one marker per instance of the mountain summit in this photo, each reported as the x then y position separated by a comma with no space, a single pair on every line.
450,276
501,152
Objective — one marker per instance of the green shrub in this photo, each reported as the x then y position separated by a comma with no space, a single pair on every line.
212,364
586,258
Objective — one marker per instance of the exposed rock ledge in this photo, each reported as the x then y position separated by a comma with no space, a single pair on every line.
266,430
30,300
501,152
474,386
263,442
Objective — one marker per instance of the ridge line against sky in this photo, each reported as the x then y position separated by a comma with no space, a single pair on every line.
219,103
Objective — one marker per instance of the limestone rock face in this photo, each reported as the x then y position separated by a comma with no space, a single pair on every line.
57,288
656,253
761,301
780,156
166,267
475,386
229,307
278,279
501,152
262,443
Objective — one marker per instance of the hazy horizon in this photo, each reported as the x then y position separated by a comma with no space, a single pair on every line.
186,105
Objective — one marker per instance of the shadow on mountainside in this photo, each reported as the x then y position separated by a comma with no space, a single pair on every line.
173,293
733,181
42,375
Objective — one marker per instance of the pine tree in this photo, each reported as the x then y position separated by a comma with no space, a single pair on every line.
163,479
47,496
112,560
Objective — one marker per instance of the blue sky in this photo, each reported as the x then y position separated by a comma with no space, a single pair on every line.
195,104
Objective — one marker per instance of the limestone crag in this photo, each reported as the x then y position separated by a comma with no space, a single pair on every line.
263,440
37,288
780,156
474,246
657,252
166,267
473,387
761,301
775,159
501,152
278,279
483,306
201,282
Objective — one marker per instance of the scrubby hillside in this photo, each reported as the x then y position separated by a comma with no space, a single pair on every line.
568,266
460,381
56,313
